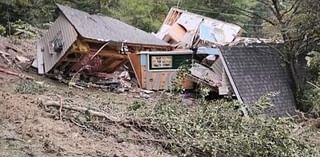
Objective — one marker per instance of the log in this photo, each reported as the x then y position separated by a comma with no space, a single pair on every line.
81,109
6,71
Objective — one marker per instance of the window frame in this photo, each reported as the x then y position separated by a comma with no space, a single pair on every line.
172,68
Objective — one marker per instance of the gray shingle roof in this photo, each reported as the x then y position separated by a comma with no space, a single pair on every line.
257,71
105,29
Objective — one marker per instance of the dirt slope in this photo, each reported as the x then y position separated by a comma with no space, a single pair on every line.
27,130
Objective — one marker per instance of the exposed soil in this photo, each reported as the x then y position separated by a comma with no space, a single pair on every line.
27,129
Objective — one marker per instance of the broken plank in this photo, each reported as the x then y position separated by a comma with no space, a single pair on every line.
6,71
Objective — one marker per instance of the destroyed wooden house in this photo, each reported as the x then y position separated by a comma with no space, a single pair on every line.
92,44
97,45
186,30
158,69
244,67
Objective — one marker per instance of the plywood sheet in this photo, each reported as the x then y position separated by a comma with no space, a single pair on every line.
136,66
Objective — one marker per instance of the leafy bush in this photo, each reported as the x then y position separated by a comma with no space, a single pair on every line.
23,29
311,94
2,30
311,99
177,83
29,87
136,105
219,129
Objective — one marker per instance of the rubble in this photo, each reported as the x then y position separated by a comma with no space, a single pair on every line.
187,30
197,45
72,51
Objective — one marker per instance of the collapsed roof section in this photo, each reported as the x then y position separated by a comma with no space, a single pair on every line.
107,29
186,30
257,71
78,40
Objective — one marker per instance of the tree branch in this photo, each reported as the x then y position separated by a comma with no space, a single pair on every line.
277,10
242,11
294,6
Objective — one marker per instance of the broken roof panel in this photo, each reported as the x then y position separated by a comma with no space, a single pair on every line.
189,22
210,30
106,29
216,31
256,71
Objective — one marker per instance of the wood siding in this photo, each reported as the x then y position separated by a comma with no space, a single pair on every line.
155,79
64,30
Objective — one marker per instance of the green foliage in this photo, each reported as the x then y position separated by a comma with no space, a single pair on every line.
311,93
219,129
223,10
29,87
177,83
23,29
144,14
2,30
136,105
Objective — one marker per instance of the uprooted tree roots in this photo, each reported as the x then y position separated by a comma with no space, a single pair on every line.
210,129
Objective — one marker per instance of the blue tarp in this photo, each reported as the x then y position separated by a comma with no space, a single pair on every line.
205,33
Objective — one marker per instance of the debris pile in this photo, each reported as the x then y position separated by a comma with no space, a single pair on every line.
15,56
72,52
114,56
186,30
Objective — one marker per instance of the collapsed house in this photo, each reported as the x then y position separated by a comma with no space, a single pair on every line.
93,45
185,30
245,67
96,46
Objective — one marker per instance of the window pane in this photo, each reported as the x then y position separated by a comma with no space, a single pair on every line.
161,62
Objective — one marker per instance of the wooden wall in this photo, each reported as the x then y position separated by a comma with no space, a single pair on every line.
155,79
60,29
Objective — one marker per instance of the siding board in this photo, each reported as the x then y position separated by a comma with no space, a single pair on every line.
61,29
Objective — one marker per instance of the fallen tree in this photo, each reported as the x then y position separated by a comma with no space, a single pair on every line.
209,129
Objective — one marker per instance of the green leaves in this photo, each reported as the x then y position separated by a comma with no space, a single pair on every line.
144,14
30,87
217,128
